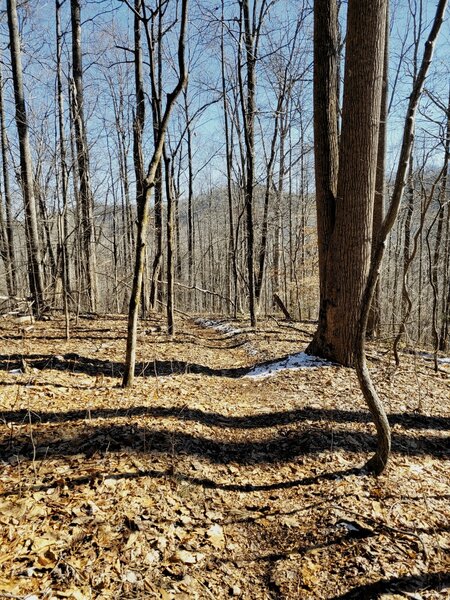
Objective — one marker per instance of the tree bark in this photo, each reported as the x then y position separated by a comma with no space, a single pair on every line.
373,324
26,170
64,230
8,224
326,153
248,103
143,222
379,460
170,262
349,248
85,192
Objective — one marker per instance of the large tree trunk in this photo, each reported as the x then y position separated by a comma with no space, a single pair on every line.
350,246
26,171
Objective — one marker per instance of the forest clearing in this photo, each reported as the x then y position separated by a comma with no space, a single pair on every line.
203,481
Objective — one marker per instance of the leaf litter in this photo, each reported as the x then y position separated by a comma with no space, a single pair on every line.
202,482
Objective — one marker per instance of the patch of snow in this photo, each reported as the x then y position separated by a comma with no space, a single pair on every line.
293,362
217,325
429,356
251,350
226,328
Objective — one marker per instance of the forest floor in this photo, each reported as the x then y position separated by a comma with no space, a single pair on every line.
202,482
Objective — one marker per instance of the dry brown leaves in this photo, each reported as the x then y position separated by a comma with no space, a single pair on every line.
199,483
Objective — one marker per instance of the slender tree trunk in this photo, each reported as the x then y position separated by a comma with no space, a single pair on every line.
85,192
248,112
444,333
190,198
267,194
8,221
4,253
378,462
26,170
278,208
170,274
139,119
326,156
232,263
156,293
64,229
439,235
155,288
373,324
143,221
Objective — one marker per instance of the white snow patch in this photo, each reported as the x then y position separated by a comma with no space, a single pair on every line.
429,356
293,362
226,328
251,350
217,325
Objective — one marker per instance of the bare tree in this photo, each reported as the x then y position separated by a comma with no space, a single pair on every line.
147,186
378,462
85,191
26,168
10,254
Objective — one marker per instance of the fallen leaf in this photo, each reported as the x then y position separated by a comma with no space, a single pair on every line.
216,536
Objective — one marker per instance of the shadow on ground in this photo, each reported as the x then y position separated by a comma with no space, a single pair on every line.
214,419
409,585
91,437
97,367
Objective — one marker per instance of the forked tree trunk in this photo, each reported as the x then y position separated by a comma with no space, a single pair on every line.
350,245
143,222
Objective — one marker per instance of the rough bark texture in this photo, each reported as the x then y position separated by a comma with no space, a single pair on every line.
26,171
326,55
85,192
350,247
8,225
248,110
